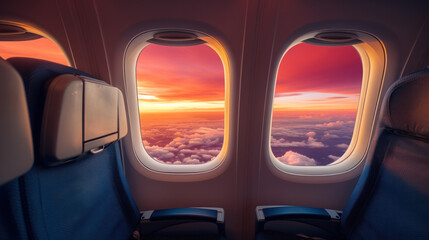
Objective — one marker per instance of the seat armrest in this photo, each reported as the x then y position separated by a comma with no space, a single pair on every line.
324,219
194,214
268,213
152,221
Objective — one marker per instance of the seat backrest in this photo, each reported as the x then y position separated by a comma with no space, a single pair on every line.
16,145
16,150
76,188
391,199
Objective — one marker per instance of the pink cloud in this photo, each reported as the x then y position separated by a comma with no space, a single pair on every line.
211,152
311,134
313,143
189,160
310,142
331,124
188,145
159,153
330,135
294,158
342,145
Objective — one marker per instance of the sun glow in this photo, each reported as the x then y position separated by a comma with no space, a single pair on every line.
181,102
41,48
180,106
315,101
180,79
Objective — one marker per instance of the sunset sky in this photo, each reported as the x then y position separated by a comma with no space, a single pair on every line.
41,48
180,79
316,99
181,93
319,78
191,79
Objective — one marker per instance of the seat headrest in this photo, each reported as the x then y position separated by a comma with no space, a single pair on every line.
16,145
407,105
81,114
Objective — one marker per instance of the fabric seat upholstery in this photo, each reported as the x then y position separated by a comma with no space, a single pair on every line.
16,150
85,198
391,199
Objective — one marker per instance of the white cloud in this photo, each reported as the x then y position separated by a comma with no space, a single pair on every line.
287,132
189,160
331,124
283,143
192,142
330,135
202,136
293,158
159,153
186,145
208,157
213,152
310,142
342,145
333,157
313,143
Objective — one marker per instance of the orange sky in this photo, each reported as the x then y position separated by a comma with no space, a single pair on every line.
180,79
316,78
320,69
41,48
191,79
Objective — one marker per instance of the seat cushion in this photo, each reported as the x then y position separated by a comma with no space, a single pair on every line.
397,206
84,199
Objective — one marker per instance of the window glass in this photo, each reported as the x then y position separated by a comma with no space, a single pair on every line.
315,104
41,48
181,93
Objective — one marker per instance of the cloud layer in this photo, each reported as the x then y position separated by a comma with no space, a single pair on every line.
293,158
311,140
184,143
194,139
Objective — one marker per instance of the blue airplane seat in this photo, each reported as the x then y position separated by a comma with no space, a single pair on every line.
76,189
391,198
16,150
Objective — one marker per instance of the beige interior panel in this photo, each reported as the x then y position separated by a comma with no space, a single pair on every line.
80,114
101,110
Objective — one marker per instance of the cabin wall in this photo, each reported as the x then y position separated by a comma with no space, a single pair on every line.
95,35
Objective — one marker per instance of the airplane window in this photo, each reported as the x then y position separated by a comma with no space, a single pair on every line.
315,104
181,92
41,48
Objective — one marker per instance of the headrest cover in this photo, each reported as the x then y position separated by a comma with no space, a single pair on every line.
407,105
16,145
80,114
